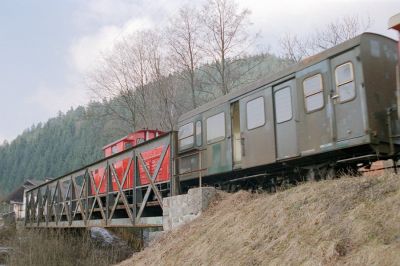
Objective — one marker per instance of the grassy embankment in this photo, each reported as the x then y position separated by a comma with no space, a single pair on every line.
350,221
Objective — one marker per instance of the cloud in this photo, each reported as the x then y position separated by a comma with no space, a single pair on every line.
107,21
2,139
275,18
106,12
50,100
117,11
86,50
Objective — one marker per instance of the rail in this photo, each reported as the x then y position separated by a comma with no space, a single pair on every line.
117,198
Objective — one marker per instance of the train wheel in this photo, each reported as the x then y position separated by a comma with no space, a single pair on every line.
327,172
321,172
331,173
311,175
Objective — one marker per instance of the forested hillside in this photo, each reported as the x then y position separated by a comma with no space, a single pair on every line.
75,138
62,144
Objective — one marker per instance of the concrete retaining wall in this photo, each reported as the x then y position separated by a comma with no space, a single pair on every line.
182,209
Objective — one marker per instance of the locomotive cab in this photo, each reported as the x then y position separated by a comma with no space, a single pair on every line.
127,142
130,140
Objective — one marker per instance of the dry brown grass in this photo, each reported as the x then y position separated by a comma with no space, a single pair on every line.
7,232
59,247
350,221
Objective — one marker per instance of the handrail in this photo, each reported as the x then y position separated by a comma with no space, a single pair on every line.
102,160
194,152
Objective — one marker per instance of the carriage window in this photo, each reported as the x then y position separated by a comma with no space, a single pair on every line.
345,87
198,133
114,149
283,105
127,145
185,136
216,128
255,113
313,93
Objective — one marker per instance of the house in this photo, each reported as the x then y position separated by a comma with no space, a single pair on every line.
13,204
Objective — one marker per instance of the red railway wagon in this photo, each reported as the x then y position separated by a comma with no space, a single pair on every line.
150,158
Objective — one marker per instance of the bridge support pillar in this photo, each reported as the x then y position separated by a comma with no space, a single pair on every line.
182,209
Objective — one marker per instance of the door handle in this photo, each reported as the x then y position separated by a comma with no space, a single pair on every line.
242,146
334,97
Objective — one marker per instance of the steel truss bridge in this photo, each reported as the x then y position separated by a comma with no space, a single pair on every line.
75,200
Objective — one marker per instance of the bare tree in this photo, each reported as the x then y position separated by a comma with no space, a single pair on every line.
169,103
123,78
183,37
112,83
164,92
138,56
134,82
226,38
339,31
296,48
137,84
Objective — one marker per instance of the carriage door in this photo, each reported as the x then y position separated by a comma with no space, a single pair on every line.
218,140
346,97
257,137
285,98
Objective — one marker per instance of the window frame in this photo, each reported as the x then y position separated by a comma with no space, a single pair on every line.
321,91
291,105
127,145
337,86
196,136
264,115
186,137
218,139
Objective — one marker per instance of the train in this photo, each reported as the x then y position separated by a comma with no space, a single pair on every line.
333,112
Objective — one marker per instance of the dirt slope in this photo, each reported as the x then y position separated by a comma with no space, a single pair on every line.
353,221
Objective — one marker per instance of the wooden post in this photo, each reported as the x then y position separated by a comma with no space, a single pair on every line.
109,189
135,179
200,171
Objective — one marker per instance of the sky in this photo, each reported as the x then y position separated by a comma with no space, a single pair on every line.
48,47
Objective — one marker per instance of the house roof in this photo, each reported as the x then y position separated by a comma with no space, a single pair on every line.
18,194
